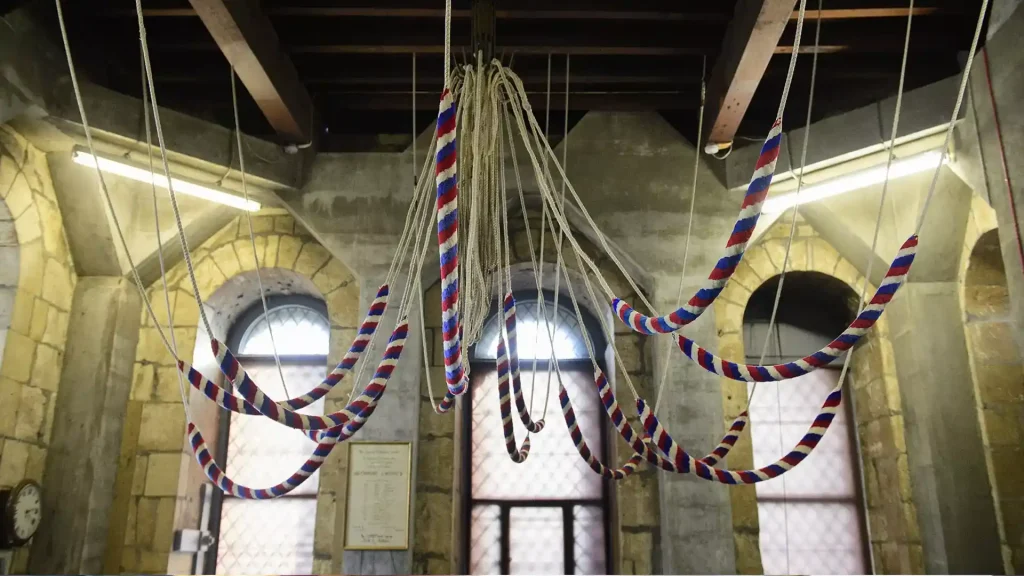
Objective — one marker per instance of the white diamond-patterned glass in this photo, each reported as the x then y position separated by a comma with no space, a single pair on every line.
554,469
485,539
588,540
266,536
298,330
533,337
536,542
273,536
821,491
261,452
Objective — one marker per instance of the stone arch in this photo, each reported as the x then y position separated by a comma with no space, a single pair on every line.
37,283
634,514
892,517
9,268
162,493
997,371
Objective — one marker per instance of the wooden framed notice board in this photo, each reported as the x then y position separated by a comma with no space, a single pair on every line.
377,496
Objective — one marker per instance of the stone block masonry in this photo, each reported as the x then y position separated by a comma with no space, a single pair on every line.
158,479
895,539
37,280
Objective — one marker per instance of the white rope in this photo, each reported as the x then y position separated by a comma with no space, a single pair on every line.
414,134
559,263
892,146
603,322
252,236
548,151
160,252
545,182
538,270
447,41
669,342
956,114
792,59
796,206
109,203
167,170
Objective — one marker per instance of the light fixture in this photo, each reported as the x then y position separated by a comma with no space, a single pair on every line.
862,179
140,174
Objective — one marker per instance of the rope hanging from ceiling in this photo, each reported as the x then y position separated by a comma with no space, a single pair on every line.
487,103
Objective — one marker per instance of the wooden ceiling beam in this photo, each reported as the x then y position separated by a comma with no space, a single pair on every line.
856,13
248,41
883,46
381,12
378,12
590,100
750,41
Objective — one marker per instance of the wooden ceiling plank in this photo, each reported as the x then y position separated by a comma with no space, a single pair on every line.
750,41
383,12
856,13
248,41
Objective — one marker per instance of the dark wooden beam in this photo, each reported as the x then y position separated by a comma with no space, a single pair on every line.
869,46
507,49
652,15
854,13
248,41
609,100
380,12
750,41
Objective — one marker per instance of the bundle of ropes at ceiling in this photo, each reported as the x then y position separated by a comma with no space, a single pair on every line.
484,118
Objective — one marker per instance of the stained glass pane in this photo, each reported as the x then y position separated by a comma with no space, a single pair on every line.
266,536
588,540
298,330
485,540
533,336
554,469
536,541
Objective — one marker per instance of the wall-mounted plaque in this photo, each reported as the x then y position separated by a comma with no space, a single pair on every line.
377,499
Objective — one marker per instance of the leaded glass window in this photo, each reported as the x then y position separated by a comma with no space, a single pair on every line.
547,515
533,335
825,489
272,536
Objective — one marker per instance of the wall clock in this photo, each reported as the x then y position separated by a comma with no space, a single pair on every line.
20,512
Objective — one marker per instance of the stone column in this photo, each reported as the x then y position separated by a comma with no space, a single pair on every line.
395,420
947,465
978,141
86,440
696,516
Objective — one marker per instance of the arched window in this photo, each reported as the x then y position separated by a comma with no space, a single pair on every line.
271,536
549,514
811,519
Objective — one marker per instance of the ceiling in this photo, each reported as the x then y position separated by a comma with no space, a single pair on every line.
355,58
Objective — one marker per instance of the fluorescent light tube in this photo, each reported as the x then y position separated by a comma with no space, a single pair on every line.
857,180
134,172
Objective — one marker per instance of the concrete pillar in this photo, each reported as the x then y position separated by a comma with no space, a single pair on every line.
93,393
696,516
947,468
395,420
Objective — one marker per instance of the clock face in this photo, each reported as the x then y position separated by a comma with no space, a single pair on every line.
27,508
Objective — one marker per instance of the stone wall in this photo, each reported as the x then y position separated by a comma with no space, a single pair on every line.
37,282
892,517
997,371
158,478
634,513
